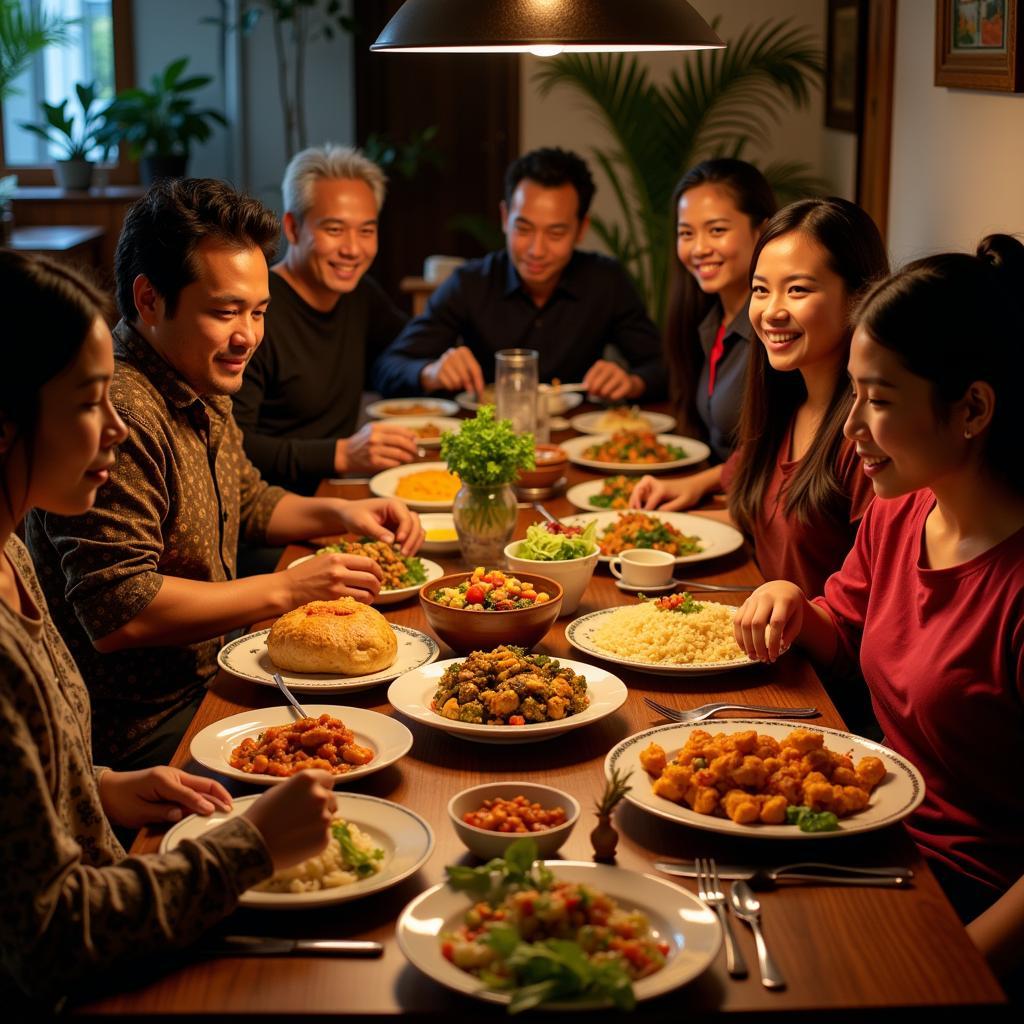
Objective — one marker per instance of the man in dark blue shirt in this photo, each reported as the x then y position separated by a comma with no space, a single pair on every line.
539,292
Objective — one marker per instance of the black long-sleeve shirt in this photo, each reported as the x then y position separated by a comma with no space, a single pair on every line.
303,385
483,305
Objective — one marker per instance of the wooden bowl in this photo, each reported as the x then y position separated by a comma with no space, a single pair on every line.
465,631
551,463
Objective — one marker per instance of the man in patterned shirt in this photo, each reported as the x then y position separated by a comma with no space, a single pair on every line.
143,585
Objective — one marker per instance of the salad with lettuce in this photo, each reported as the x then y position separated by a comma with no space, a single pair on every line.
553,542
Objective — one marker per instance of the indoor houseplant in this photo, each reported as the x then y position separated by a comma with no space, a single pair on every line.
486,454
161,123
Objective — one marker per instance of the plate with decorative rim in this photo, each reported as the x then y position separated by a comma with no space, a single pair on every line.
675,916
411,695
387,408
432,569
385,483
248,658
896,796
577,447
590,422
716,538
406,839
580,633
388,738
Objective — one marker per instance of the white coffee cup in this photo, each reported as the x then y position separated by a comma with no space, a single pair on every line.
644,567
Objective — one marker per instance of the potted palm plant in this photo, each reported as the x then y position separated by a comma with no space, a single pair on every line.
160,124
74,169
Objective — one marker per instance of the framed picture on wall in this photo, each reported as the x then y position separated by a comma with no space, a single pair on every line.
844,64
978,45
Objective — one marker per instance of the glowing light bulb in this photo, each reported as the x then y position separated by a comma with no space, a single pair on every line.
545,51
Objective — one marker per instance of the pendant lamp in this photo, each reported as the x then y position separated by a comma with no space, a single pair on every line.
545,27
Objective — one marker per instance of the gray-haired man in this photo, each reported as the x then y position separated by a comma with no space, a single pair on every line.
326,324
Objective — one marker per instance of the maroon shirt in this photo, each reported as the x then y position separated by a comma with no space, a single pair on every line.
805,553
942,651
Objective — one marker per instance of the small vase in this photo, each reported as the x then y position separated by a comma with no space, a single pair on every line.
604,839
73,175
485,517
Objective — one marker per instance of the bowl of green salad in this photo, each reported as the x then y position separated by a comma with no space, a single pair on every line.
566,554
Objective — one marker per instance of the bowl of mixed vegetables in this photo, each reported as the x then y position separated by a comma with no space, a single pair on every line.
478,610
568,554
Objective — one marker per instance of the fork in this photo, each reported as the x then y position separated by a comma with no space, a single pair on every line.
709,889
707,710
283,687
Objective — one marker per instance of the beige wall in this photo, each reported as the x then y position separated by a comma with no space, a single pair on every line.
958,154
563,118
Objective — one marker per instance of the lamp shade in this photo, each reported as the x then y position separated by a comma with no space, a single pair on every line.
545,27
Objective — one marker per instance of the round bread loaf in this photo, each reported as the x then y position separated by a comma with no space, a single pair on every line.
342,637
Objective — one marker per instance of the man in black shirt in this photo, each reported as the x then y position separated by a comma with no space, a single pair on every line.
540,293
326,324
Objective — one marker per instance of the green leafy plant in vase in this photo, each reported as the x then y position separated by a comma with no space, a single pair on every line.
486,455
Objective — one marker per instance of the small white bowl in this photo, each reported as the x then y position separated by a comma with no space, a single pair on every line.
487,844
438,521
572,573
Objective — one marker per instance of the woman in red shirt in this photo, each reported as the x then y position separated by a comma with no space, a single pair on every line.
795,486
930,601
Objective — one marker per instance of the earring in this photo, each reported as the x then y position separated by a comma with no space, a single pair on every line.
968,435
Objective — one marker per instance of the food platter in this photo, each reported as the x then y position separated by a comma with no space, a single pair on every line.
696,451
384,484
407,841
716,537
425,407
385,736
385,597
690,928
445,424
247,658
899,793
411,694
580,634
590,422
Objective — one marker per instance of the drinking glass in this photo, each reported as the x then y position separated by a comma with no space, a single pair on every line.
515,387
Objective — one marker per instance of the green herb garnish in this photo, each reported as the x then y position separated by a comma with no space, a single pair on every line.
356,859
811,821
487,451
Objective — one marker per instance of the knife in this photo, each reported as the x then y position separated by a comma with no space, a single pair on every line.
262,945
823,874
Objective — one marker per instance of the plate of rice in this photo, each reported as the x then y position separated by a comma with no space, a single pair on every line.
695,638
374,845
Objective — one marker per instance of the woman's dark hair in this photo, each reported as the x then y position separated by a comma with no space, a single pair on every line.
163,229
954,319
49,309
857,254
688,304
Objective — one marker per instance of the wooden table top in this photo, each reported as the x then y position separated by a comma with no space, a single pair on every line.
839,949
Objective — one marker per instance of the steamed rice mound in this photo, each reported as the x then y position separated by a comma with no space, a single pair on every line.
647,633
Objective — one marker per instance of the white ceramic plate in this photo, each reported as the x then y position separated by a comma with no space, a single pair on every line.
716,538
443,423
590,422
386,737
406,839
247,658
432,569
580,494
696,451
438,521
894,798
689,927
580,633
386,408
412,693
383,485
558,404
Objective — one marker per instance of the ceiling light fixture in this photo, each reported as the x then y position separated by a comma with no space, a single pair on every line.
545,28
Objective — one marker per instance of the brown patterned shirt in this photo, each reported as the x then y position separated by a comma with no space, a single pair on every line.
73,903
177,500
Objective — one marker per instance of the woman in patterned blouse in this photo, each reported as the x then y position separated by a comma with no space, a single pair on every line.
74,902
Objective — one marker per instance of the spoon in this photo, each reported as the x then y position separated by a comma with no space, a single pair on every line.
544,512
747,907
288,693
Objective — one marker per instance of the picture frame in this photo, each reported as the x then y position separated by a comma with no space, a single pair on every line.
844,64
978,45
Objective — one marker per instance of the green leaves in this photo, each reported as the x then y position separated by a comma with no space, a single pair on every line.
355,859
59,125
487,451
23,33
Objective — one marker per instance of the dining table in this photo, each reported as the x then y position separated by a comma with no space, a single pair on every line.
851,952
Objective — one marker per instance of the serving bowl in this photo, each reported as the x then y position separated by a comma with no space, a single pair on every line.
465,631
572,573
441,524
551,463
486,843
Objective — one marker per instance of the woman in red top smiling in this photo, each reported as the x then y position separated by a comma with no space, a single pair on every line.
930,601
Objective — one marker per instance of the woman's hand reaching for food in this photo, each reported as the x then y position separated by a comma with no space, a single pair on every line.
770,620
331,576
386,519
294,818
158,795
671,495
